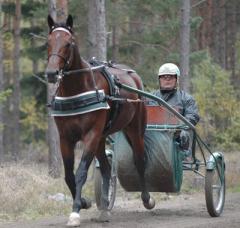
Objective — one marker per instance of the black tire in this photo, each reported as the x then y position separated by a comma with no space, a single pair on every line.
98,191
215,190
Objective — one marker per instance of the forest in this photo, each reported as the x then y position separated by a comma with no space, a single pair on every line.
140,33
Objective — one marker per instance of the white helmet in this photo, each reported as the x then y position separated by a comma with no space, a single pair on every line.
169,68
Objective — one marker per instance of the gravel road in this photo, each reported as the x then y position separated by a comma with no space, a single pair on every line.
178,211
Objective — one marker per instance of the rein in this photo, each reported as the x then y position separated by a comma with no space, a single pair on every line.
83,70
64,71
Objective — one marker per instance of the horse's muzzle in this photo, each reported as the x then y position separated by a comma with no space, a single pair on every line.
51,76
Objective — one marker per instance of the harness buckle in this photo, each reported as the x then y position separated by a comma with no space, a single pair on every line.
60,75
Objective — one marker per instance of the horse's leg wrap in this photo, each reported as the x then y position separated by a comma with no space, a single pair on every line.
145,197
80,179
85,203
67,149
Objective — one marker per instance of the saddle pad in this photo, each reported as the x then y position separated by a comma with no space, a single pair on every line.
79,104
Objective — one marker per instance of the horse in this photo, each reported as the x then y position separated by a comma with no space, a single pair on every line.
78,82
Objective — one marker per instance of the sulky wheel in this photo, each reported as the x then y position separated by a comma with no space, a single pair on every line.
215,188
98,190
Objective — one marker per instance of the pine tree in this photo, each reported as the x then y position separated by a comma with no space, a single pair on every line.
1,89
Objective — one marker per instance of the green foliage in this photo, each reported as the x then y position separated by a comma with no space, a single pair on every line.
37,54
31,86
218,105
33,120
195,22
8,8
30,9
4,95
148,34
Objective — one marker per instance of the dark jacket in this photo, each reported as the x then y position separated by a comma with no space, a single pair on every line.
183,101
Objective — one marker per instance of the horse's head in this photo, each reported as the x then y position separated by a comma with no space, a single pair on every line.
60,48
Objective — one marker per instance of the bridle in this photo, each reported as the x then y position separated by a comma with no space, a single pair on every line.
58,75
67,60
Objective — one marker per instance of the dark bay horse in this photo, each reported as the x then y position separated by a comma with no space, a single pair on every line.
79,83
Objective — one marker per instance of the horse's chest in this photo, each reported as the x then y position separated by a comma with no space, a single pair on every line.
69,127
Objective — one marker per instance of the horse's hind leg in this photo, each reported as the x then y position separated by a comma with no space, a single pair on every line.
135,134
138,152
106,174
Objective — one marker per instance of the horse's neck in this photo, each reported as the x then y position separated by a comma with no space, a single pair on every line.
78,62
79,82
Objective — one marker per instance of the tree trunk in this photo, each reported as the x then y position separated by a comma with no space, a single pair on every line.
35,63
115,31
185,45
62,10
205,30
97,42
1,89
115,43
231,33
7,78
16,83
222,34
54,158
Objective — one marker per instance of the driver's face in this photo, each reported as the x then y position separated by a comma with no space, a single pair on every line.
167,81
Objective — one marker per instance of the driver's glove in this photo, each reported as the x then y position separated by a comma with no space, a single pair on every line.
184,139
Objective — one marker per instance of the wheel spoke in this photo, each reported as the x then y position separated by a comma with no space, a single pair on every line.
215,190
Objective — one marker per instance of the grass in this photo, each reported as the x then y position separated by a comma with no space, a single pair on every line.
26,189
232,171
193,182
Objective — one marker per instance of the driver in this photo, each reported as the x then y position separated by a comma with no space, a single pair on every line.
169,91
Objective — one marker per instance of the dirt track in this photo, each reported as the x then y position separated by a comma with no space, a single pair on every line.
179,211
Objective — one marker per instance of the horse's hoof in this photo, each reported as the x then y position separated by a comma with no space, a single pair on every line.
150,204
104,216
74,220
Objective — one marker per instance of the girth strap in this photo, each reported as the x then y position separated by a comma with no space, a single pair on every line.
114,93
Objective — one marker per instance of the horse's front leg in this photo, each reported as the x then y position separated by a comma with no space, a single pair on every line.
91,143
67,150
80,179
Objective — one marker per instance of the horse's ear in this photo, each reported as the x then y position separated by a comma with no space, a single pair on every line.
51,22
69,21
